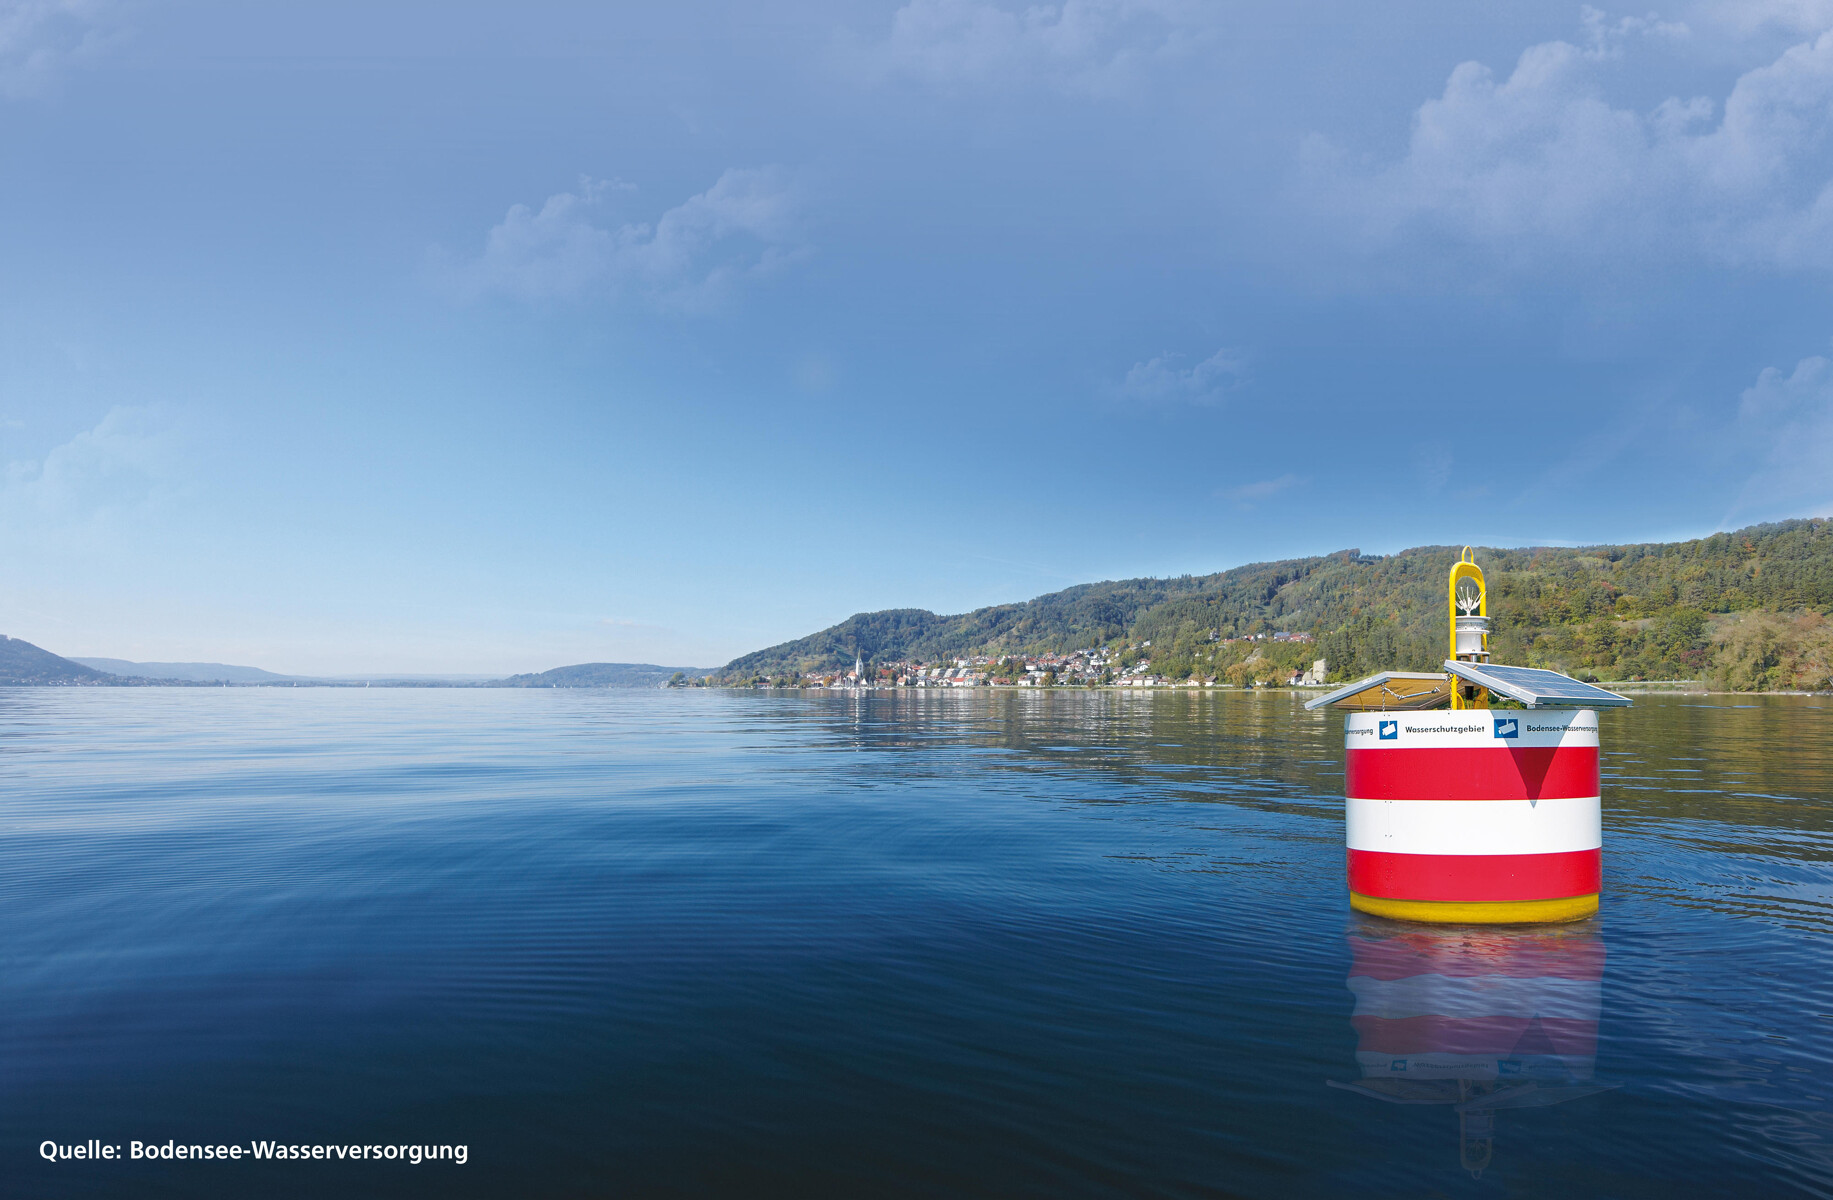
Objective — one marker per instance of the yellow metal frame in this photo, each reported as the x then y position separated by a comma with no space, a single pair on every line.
1495,912
1465,568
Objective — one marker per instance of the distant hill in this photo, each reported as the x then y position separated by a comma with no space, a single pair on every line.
24,663
601,675
186,672
1744,610
410,680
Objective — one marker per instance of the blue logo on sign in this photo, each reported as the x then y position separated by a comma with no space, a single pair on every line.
1399,1064
1508,727
1390,730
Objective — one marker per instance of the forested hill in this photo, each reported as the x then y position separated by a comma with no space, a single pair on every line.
24,663
1750,606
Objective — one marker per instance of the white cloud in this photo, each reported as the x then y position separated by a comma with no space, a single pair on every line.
1162,381
1097,47
38,38
1543,163
1789,419
126,463
746,224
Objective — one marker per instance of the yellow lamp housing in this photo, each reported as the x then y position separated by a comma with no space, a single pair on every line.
1467,605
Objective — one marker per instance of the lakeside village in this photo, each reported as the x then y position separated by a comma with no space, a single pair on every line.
1117,666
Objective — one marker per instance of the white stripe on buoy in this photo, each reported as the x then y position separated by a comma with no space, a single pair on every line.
1549,826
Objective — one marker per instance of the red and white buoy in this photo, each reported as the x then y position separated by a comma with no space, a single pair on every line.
1492,807
1459,812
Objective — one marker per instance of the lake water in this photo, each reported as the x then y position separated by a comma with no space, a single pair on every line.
704,944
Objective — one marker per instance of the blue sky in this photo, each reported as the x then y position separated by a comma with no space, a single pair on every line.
489,338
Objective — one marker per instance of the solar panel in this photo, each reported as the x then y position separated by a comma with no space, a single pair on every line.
1390,690
1535,687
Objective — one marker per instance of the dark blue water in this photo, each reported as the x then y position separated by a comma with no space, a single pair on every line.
703,944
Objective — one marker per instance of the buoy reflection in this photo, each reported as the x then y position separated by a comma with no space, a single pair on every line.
1480,1019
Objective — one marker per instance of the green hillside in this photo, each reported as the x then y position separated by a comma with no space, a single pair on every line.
1744,610
24,663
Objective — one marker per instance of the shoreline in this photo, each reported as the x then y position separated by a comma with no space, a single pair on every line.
1647,688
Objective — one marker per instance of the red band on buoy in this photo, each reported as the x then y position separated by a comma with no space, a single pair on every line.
1472,773
1475,878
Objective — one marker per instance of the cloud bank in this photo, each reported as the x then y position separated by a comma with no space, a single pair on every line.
126,463
746,225
1789,418
1743,18
1542,163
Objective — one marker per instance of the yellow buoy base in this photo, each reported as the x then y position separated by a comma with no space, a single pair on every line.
1500,912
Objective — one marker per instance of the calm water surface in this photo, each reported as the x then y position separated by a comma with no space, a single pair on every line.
657,944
